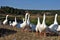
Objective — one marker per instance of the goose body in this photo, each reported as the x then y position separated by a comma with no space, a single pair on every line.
14,22
53,27
22,25
58,29
5,21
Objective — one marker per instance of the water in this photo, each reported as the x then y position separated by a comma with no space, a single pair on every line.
31,25
18,25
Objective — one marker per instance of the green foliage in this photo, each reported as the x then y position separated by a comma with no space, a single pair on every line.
15,11
34,21
11,10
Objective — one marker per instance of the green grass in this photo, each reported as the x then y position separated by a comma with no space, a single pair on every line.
33,19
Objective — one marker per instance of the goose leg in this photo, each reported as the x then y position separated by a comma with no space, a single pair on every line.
44,34
41,34
22,29
36,33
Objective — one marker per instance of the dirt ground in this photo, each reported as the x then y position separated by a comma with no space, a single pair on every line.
12,33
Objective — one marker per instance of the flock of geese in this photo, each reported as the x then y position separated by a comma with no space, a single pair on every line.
55,27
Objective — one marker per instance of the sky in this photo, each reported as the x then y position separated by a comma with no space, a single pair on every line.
32,4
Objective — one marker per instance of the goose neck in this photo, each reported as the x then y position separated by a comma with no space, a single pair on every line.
43,19
26,18
55,20
6,17
15,19
38,20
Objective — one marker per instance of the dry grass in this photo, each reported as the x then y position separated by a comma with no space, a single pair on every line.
19,35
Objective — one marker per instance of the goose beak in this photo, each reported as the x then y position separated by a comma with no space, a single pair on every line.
56,14
7,15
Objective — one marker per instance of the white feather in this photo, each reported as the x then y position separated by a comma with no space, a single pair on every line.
5,21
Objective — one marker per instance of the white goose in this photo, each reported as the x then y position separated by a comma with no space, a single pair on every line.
5,21
38,26
14,22
43,26
53,27
32,26
22,25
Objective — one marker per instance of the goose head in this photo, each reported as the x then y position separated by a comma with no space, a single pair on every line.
27,13
7,15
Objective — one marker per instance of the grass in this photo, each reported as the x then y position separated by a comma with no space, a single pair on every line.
19,35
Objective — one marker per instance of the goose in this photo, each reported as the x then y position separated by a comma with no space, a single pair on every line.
38,26
5,21
31,26
14,22
22,25
53,27
43,26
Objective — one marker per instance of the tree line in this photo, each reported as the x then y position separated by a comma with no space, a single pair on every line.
15,11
